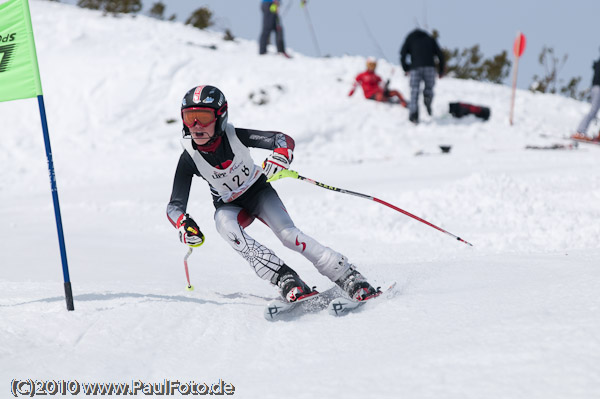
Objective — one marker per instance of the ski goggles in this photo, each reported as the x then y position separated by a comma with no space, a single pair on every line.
201,116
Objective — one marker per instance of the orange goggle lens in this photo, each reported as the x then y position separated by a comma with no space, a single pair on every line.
202,116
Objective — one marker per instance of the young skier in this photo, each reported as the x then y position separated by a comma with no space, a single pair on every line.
218,152
371,85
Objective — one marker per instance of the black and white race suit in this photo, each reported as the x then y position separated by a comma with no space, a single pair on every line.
241,193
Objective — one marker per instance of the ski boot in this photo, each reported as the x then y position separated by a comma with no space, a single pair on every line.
427,101
291,286
414,118
355,285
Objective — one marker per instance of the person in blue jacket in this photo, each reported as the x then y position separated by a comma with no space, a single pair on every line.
271,23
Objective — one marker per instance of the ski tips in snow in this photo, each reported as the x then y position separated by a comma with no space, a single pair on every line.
278,309
332,299
341,306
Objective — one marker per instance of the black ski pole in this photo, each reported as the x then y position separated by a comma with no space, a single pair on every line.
311,28
376,43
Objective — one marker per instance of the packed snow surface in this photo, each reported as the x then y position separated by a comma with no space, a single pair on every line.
515,316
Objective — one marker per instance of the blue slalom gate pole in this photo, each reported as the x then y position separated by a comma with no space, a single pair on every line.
61,237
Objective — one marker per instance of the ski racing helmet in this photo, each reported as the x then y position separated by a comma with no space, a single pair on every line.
206,98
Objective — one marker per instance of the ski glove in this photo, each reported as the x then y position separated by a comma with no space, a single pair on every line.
189,232
279,160
352,90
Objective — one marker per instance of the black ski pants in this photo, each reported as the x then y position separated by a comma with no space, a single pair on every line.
271,23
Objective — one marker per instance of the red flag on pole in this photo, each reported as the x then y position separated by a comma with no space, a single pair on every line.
518,49
519,46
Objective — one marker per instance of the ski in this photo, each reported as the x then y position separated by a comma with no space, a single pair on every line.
341,306
280,310
556,146
587,141
576,140
554,136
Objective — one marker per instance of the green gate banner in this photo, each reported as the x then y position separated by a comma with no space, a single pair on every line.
19,73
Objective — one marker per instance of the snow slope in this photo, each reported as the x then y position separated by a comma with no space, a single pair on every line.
515,316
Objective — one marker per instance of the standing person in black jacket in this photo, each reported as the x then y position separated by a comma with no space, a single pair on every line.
422,49
587,119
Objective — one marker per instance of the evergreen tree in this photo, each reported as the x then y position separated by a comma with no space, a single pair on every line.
112,6
550,81
91,4
123,6
157,10
469,63
201,18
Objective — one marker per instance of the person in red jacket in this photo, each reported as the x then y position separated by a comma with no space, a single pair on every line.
371,86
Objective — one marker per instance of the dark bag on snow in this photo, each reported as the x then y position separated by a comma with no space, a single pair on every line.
458,110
